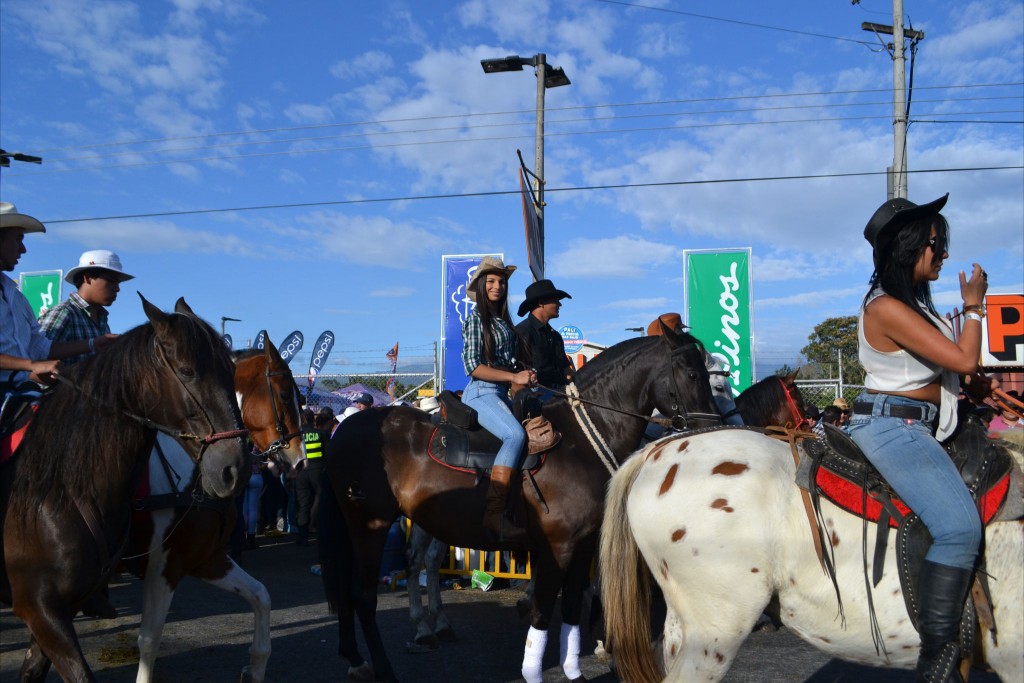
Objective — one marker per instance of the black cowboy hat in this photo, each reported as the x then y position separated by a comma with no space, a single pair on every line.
897,212
541,289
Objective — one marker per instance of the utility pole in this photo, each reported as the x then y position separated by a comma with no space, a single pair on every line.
897,176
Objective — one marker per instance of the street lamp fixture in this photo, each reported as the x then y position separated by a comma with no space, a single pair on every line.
547,77
636,329
5,158
225,319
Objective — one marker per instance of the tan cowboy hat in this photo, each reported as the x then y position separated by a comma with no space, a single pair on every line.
841,403
672,321
489,264
10,218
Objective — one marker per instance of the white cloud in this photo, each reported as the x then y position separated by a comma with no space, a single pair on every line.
623,256
308,113
393,292
369,65
157,236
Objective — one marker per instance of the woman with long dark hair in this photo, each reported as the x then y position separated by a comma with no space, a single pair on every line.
490,357
914,371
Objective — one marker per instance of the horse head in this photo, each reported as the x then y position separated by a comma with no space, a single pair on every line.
681,388
194,395
269,401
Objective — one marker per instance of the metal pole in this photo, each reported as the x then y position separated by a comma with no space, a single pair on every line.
540,61
899,104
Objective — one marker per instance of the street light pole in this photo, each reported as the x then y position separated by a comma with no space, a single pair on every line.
224,320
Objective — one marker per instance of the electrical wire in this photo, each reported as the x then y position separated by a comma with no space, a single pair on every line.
495,193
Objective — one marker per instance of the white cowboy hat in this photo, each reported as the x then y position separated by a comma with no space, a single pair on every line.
430,405
98,258
10,218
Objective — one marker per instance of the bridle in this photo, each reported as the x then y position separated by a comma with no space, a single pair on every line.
204,441
283,437
800,420
681,419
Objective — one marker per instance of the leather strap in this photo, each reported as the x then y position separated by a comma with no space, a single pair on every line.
907,412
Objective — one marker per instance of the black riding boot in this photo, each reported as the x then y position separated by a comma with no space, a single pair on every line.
943,590
303,539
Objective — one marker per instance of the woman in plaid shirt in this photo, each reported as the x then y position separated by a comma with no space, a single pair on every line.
490,347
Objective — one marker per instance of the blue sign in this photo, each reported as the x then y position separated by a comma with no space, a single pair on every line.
573,338
456,306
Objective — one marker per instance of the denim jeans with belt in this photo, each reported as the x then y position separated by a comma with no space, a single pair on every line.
922,474
494,413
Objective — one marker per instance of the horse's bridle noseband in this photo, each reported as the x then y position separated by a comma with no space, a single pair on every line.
680,418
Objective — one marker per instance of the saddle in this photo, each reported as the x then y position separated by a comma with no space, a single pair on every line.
19,405
460,443
835,467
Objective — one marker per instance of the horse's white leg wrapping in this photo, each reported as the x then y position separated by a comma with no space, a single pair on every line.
533,656
569,647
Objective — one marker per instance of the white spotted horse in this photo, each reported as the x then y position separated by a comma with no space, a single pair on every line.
718,520
177,531
68,487
380,464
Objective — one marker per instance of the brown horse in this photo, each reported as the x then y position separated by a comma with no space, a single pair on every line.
176,534
67,491
773,401
378,467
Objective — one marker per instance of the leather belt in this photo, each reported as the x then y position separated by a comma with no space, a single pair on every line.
907,412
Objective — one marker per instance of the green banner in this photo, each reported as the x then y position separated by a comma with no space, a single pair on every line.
42,289
719,309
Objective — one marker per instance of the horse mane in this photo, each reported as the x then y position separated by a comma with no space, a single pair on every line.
615,357
759,402
77,433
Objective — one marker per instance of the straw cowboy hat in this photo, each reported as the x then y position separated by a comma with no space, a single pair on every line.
10,218
489,264
430,405
541,289
98,258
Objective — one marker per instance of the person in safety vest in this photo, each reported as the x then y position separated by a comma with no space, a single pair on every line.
307,483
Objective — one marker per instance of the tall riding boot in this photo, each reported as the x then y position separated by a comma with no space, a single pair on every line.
303,539
495,517
943,590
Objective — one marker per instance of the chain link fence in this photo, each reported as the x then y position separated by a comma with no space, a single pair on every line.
338,391
822,392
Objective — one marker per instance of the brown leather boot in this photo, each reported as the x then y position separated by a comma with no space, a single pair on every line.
495,518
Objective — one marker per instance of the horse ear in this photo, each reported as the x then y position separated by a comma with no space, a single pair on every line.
181,307
791,377
271,353
156,317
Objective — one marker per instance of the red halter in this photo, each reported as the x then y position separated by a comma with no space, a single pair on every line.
801,421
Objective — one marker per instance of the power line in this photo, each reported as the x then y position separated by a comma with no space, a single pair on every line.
610,131
470,115
496,193
551,122
736,21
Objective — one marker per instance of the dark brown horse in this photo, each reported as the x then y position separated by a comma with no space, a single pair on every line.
68,489
378,467
175,534
774,401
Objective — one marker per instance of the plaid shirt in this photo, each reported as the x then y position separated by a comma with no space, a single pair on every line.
70,321
506,343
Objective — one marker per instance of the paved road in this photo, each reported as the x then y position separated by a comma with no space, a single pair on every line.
208,633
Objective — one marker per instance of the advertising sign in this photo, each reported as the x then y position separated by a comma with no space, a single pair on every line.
291,345
456,272
573,338
261,340
1002,331
719,309
534,228
42,289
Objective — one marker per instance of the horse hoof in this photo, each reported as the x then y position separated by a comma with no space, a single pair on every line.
423,644
581,679
447,635
363,672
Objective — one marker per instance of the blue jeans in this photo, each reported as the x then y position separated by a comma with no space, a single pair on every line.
494,413
924,477
251,502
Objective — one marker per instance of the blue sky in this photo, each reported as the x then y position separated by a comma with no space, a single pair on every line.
171,109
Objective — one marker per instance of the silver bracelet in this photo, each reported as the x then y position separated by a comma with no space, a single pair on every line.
972,316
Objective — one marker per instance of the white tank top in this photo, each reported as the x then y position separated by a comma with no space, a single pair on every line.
901,370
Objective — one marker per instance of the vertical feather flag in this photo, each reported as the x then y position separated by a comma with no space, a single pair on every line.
392,356
321,349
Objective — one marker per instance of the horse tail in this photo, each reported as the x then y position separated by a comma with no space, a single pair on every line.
333,546
626,584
